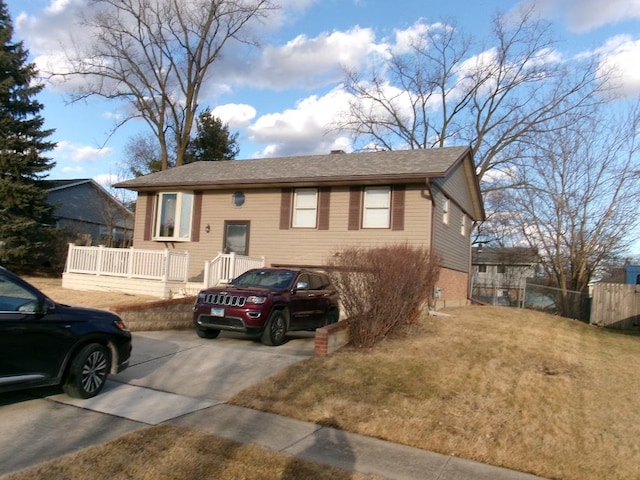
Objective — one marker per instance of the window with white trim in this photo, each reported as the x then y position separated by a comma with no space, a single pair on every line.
463,225
173,216
305,208
445,211
376,207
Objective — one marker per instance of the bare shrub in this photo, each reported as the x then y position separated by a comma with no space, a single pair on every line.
384,289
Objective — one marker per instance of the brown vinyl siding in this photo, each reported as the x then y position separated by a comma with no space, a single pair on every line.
453,247
295,246
448,242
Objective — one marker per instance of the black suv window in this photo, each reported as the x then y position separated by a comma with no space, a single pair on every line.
14,297
316,282
265,278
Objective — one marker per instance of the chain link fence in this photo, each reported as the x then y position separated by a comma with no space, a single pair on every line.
556,301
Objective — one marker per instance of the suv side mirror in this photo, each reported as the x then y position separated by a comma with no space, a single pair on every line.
49,306
302,286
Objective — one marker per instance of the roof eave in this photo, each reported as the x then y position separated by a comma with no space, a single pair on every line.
287,182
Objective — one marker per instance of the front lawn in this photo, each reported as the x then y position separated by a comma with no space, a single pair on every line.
514,388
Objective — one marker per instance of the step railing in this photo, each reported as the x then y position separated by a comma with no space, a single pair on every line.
227,266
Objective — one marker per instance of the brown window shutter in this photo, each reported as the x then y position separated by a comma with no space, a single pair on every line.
197,217
285,208
324,201
355,200
397,207
148,215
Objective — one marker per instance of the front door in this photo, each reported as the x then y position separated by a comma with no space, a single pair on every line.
236,237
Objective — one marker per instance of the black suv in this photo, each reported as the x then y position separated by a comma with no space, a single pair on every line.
266,303
46,343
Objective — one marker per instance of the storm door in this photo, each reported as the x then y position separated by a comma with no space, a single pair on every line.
236,237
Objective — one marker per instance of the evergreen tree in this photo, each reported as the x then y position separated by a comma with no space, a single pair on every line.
25,215
213,140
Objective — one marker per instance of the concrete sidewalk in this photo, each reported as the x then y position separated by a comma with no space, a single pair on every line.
331,446
326,445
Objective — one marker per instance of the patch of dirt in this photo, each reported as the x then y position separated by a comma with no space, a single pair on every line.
52,287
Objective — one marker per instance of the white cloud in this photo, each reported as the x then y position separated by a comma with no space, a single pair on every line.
106,180
80,153
585,15
310,62
407,38
620,56
71,169
61,6
235,115
303,130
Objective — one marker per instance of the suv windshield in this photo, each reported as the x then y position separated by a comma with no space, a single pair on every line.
275,279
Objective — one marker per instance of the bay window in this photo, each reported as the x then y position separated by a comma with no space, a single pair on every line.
173,216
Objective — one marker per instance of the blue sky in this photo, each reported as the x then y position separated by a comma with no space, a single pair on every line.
281,98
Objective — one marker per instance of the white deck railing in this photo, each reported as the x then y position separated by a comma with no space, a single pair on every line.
128,262
228,266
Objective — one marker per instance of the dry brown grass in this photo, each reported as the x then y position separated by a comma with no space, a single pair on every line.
514,388
52,287
174,453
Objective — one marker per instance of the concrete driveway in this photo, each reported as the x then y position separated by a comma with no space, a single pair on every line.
171,374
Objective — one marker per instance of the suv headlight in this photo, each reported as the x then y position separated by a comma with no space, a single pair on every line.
256,299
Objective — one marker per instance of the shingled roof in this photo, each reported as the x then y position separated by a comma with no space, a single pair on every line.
331,169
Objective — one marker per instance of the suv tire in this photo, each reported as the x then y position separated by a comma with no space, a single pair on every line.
88,372
332,316
276,329
207,333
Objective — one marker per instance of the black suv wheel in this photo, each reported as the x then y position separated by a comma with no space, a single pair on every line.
276,329
88,372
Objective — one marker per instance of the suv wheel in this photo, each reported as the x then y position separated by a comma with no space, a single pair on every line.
207,333
88,372
275,330
332,316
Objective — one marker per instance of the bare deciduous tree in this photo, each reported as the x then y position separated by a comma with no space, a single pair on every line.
581,195
436,92
155,55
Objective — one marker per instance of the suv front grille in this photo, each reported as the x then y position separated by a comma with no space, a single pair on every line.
227,300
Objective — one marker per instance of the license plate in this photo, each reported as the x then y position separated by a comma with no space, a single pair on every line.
217,312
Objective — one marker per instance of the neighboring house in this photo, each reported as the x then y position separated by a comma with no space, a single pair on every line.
301,211
500,274
632,276
89,213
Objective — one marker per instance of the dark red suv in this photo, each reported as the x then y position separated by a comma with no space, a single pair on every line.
266,303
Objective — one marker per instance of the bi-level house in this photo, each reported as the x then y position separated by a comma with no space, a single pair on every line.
500,274
301,211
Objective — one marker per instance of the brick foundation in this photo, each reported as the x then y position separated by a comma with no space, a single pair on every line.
455,289
331,338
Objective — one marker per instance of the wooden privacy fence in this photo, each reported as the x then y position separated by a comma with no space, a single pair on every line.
616,306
